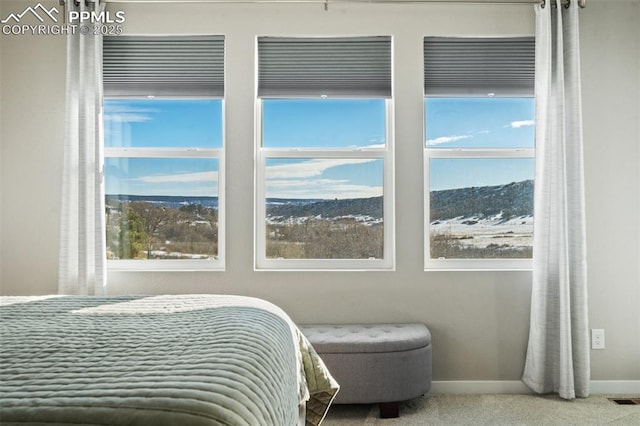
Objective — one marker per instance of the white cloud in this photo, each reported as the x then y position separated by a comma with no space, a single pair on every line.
375,145
521,123
127,118
295,183
319,188
127,114
311,168
303,180
181,178
446,139
201,184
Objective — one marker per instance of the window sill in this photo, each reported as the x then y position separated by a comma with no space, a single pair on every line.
165,265
475,265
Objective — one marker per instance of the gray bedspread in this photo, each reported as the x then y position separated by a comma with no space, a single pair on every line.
156,360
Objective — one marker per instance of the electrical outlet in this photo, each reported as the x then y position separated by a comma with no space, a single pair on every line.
597,338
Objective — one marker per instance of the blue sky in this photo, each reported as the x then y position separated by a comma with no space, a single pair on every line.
317,123
324,123
162,123
479,123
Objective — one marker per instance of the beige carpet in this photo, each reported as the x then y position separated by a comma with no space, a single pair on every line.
492,410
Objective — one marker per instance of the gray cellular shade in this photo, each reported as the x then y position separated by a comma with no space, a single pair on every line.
163,66
479,66
340,67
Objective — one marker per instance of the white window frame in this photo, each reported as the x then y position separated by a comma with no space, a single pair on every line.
386,154
169,153
471,67
460,153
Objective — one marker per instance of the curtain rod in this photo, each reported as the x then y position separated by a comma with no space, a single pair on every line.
581,3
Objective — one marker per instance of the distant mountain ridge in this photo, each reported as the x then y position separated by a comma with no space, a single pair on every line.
174,201
510,200
371,207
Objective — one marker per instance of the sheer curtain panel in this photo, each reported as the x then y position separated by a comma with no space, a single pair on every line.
82,265
558,352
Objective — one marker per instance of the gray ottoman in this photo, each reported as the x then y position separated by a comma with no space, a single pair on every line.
375,363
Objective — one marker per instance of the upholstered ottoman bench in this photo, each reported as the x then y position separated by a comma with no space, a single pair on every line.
375,363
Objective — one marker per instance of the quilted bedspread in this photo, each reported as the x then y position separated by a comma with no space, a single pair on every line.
156,360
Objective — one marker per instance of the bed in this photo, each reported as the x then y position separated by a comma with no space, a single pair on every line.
157,360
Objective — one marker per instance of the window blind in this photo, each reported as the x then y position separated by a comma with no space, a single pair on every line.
163,66
479,66
340,67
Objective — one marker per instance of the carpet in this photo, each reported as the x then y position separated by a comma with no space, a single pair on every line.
492,409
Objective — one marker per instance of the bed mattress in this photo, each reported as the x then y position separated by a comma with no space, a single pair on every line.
157,360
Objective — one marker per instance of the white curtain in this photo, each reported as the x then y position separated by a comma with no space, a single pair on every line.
82,263
558,352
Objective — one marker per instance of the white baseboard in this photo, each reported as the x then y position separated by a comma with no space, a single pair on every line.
478,386
631,387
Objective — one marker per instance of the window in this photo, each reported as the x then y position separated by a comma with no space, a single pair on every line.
324,189
479,153
164,156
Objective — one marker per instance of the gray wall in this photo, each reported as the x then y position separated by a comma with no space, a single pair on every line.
479,320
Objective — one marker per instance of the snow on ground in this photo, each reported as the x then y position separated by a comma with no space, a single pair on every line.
482,232
298,220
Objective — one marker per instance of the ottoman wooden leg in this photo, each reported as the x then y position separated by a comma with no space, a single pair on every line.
389,410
